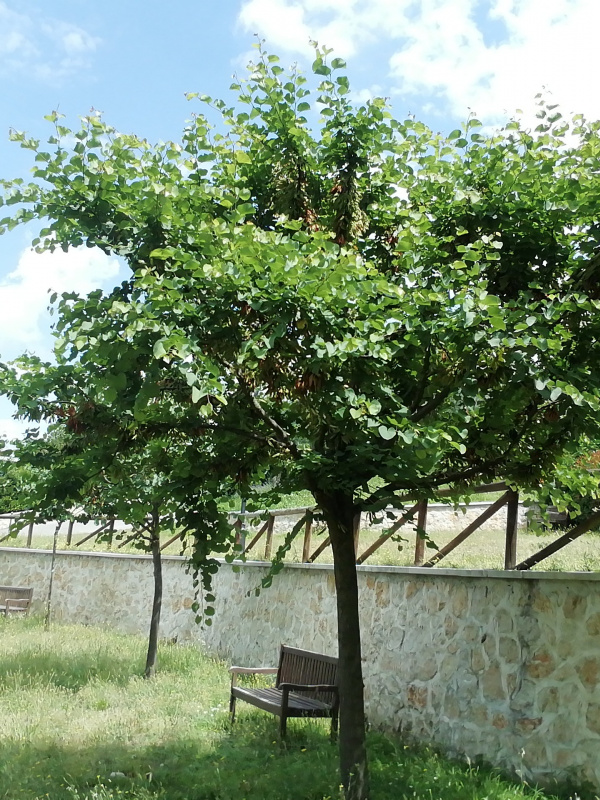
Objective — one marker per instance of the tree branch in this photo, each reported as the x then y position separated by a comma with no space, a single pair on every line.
423,381
285,438
431,405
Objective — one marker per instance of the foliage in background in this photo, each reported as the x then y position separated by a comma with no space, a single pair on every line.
17,481
573,486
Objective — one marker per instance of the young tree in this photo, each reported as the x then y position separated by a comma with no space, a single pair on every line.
94,464
368,308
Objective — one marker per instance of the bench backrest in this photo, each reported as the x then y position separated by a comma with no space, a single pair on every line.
303,666
15,593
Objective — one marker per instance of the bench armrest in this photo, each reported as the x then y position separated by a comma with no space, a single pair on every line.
235,671
15,604
253,670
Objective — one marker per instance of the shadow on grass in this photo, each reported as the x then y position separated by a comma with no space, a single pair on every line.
246,762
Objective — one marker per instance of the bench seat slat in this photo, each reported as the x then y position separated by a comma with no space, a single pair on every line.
270,700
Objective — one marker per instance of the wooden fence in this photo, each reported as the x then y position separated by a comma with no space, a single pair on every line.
249,539
416,514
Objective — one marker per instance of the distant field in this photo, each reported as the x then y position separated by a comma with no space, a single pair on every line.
483,550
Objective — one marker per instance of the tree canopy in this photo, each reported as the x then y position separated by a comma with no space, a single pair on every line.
327,296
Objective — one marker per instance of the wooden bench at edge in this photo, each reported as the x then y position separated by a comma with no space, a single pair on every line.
306,686
15,598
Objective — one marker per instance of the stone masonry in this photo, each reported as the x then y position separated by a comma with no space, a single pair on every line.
499,665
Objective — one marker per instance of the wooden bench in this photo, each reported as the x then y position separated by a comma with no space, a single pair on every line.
306,686
15,599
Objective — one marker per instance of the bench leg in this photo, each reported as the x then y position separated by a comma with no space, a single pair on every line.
334,726
232,700
282,726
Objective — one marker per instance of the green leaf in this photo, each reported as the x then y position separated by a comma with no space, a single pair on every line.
320,68
386,433
159,349
242,157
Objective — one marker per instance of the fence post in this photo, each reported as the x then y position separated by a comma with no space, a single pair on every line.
307,538
111,530
241,531
269,539
421,525
512,520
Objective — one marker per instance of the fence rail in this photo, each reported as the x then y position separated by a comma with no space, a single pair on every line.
249,541
418,510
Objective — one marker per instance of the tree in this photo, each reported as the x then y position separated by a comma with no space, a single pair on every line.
363,310
92,464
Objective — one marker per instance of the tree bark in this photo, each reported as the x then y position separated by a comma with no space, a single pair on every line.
52,566
151,656
338,510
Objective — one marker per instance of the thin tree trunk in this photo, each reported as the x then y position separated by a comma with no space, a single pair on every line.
339,514
51,584
151,656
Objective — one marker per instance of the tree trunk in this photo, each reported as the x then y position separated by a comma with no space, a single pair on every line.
52,566
151,656
338,510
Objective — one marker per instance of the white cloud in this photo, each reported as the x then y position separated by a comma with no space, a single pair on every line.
43,47
492,56
24,293
77,41
367,94
291,25
277,21
547,44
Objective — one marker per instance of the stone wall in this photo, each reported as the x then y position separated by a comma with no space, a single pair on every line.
504,666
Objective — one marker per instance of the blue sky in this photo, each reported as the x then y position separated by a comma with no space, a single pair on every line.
135,59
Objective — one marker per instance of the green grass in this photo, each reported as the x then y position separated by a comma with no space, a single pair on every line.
80,723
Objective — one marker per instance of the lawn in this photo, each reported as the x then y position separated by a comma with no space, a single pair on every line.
80,723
